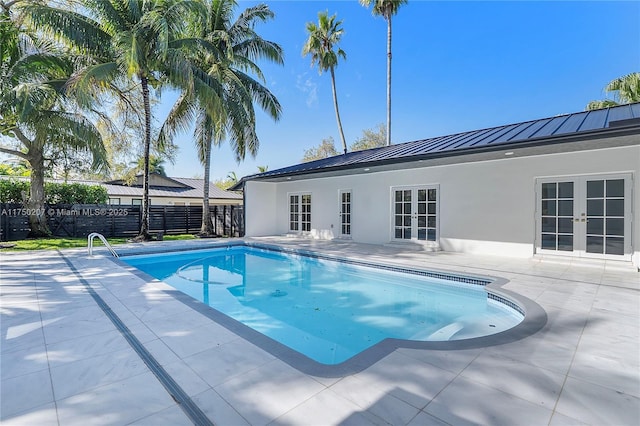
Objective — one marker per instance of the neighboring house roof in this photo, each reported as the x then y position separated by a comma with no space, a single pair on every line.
168,187
615,121
163,186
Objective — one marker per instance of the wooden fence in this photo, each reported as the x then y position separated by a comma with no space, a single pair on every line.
79,220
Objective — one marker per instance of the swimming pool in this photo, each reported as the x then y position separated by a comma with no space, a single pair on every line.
331,310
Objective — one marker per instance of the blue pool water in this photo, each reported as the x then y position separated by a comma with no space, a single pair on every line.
324,309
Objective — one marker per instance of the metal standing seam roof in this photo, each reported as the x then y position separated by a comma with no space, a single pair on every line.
535,132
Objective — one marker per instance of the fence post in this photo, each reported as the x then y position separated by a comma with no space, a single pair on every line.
164,219
231,231
186,215
3,225
224,220
215,219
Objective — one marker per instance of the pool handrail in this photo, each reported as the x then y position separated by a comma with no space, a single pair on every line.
104,241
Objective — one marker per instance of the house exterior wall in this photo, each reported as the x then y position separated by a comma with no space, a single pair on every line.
484,207
262,201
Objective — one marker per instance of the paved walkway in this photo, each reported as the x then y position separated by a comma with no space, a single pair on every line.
63,362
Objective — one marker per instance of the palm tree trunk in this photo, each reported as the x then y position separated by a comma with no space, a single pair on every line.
35,204
389,80
207,226
144,226
335,104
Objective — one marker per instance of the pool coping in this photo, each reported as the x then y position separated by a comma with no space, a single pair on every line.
535,318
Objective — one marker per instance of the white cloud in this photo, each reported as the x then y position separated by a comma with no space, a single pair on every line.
306,85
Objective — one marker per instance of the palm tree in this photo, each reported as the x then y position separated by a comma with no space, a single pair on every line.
263,169
386,9
37,115
320,44
232,177
156,165
139,41
229,50
626,90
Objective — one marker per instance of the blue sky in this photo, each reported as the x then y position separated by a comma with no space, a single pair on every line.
457,66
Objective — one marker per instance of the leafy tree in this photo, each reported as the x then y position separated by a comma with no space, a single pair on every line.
37,112
321,45
140,41
225,183
18,169
371,138
625,89
326,149
386,9
228,53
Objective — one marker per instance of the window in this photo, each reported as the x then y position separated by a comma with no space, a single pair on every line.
114,200
300,212
136,201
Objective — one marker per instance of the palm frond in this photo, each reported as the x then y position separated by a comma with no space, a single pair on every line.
178,120
71,28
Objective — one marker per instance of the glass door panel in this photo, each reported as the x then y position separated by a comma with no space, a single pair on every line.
605,216
422,214
402,215
557,216
345,213
294,212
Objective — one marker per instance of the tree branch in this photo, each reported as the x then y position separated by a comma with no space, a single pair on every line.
10,151
22,138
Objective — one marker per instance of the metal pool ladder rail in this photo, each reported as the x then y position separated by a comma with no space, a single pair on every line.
104,241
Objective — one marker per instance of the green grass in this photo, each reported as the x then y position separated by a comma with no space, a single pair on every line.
63,243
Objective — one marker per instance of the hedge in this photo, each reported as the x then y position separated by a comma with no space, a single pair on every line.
54,193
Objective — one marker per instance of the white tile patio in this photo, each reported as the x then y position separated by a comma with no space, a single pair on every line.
63,362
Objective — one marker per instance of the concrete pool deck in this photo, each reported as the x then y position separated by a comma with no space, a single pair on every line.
63,361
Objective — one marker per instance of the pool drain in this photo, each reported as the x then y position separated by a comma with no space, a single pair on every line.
278,293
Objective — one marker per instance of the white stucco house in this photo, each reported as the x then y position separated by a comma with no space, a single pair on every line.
558,186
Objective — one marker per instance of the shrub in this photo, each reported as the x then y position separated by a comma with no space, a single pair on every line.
11,190
54,193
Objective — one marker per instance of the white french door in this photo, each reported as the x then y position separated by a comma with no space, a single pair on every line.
585,216
345,213
300,212
414,213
